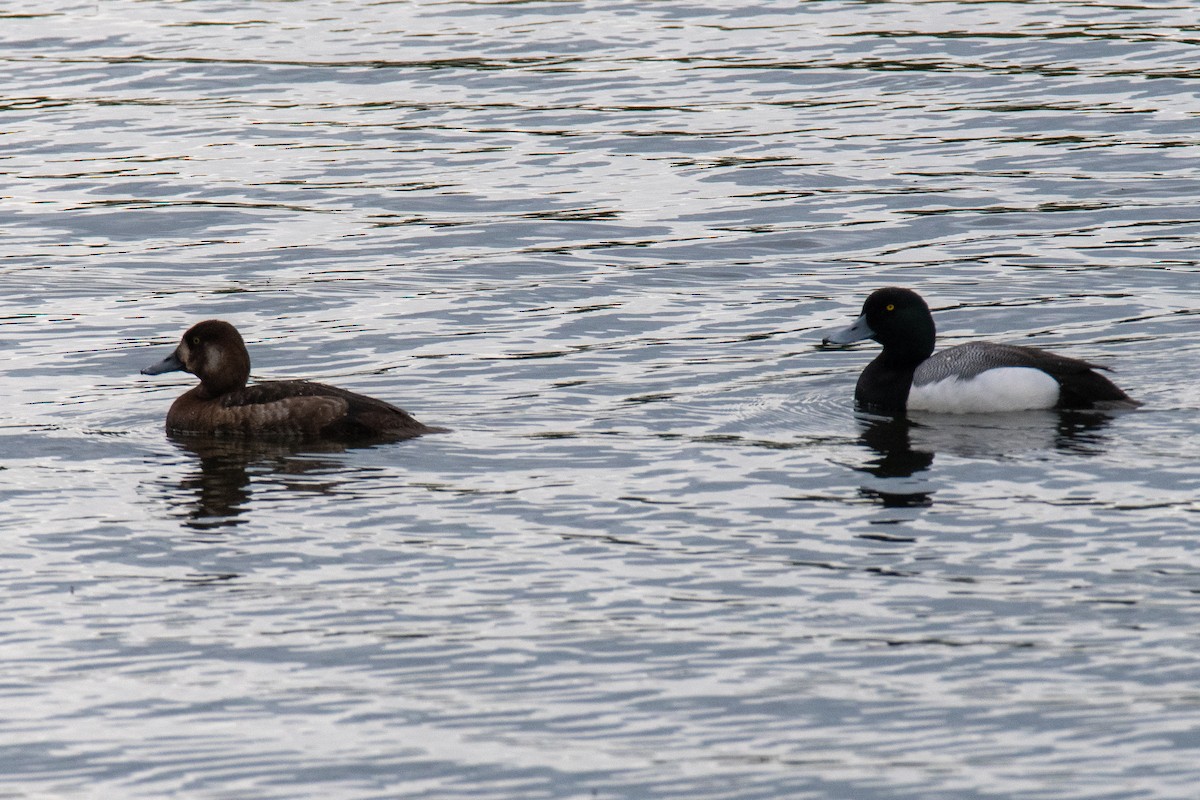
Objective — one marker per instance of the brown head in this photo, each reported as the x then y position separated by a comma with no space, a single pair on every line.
214,352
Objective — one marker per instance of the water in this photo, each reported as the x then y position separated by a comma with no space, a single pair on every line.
659,555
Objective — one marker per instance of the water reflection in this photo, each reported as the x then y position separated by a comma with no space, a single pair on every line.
898,461
905,447
1083,432
1013,434
217,493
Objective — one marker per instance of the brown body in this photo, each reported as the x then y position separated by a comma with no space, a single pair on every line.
223,405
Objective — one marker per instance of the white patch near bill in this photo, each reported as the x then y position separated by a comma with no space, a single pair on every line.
1000,389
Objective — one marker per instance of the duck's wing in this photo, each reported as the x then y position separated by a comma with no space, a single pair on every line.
281,408
320,410
966,361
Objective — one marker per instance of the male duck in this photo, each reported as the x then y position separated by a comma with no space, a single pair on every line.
224,405
968,378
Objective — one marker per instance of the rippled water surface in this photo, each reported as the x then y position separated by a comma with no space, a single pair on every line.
659,554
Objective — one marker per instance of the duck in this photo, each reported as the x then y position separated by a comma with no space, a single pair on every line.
977,377
224,405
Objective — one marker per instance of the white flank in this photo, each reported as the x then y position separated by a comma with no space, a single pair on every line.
1001,389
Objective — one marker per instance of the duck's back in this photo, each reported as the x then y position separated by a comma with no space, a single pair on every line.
986,376
292,409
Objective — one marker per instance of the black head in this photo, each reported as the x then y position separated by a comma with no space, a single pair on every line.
900,317
896,318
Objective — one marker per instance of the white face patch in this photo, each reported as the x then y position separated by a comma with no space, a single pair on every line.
1001,389
184,354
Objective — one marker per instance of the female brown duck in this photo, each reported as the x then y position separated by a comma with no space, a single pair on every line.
224,405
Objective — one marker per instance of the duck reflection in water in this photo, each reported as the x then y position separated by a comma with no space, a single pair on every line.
905,447
897,462
217,493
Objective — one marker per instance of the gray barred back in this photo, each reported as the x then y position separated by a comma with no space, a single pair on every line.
965,361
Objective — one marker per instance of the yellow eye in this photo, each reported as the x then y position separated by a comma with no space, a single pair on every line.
891,307
196,339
